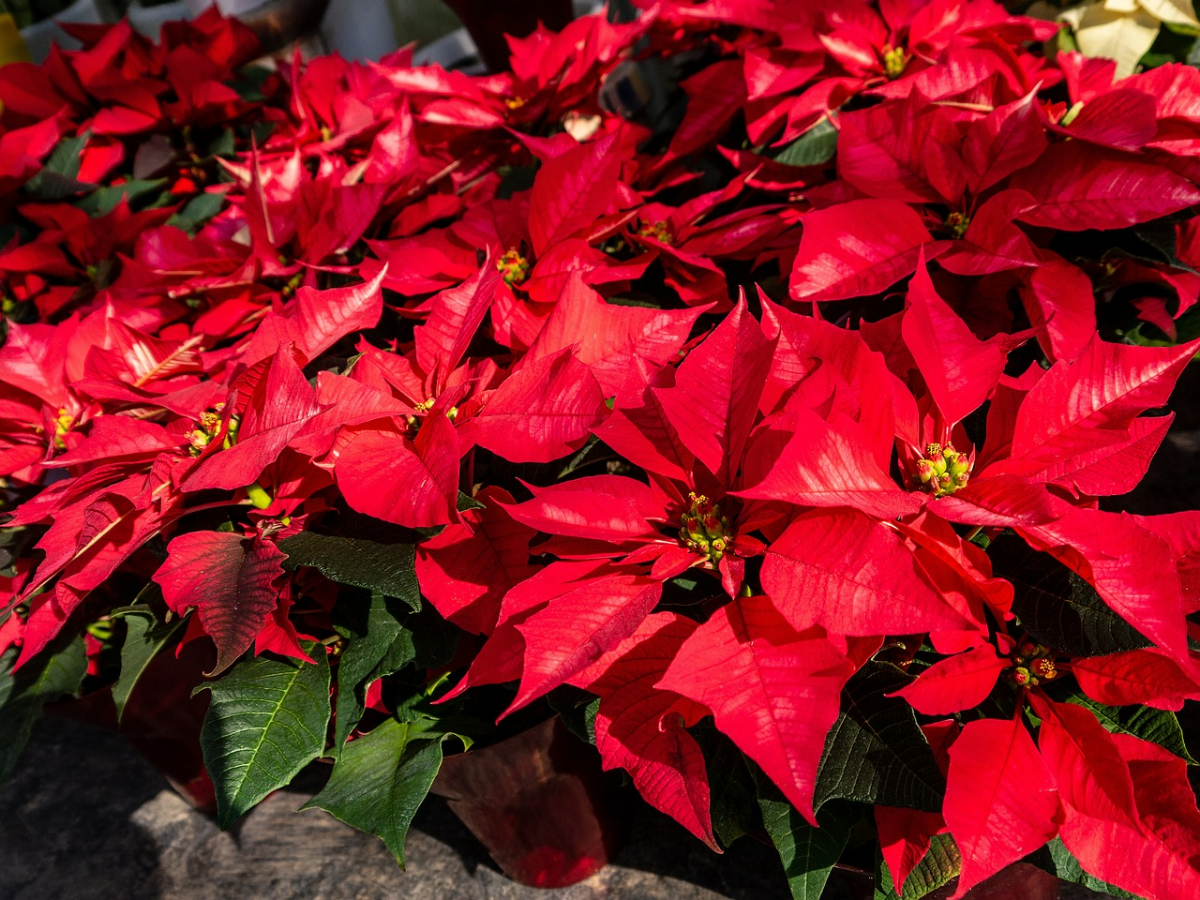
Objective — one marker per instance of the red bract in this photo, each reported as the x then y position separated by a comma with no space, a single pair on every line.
533,414
1001,801
468,568
884,251
232,586
690,437
280,402
641,727
751,383
789,685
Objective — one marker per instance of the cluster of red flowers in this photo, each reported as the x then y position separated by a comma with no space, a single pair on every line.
738,361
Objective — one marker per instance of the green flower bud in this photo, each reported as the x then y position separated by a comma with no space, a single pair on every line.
514,267
895,60
943,470
704,530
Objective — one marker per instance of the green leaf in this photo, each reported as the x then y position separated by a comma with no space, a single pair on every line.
389,568
223,144
876,752
1160,236
267,721
577,460
104,200
1056,606
399,654
514,179
1067,868
465,502
1065,41
375,634
577,708
261,131
39,10
808,853
20,10
435,640
248,82
1187,329
733,804
57,178
1158,726
45,678
424,639
197,211
813,148
380,780
940,863
144,637
1154,60
636,302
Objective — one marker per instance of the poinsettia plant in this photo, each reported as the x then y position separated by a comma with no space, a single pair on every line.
744,383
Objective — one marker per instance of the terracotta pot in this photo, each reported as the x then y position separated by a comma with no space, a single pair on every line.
539,802
489,21
161,721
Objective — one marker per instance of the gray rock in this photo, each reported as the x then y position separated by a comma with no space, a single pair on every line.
84,817
65,819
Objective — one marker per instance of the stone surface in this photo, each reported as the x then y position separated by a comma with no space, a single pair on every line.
85,818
